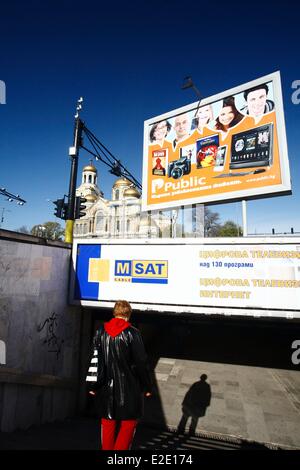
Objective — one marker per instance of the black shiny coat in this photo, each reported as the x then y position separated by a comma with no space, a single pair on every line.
126,374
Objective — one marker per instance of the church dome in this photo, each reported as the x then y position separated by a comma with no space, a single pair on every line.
132,192
90,198
122,182
90,168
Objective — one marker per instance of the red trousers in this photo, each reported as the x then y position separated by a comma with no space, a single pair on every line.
121,441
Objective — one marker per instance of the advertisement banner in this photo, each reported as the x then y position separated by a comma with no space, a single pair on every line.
230,146
188,276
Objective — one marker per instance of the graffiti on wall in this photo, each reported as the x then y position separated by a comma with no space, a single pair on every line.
52,340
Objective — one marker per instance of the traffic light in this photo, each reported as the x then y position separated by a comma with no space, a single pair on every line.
65,211
79,207
59,209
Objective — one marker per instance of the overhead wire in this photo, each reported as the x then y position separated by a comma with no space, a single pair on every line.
103,154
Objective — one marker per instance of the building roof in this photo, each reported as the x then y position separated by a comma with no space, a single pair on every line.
90,198
91,168
132,192
122,182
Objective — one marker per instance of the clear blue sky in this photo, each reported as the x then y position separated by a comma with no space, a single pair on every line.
128,61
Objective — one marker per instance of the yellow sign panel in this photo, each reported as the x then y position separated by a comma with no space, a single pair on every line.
98,270
153,268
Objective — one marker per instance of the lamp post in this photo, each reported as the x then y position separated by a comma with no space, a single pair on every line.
188,83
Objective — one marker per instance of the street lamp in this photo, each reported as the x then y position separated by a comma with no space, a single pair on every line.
11,197
188,83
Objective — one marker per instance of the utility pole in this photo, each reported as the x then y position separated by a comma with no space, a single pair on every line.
73,208
73,152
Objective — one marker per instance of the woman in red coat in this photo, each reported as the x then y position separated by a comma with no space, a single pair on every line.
122,378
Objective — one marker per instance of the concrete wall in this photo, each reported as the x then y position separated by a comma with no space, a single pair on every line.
39,333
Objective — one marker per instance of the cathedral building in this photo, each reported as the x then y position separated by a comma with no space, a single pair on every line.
120,217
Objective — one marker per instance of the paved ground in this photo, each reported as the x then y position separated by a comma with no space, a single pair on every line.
83,434
255,403
246,370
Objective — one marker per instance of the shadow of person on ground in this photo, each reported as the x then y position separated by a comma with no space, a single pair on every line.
194,404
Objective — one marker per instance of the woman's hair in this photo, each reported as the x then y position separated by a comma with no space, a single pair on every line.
122,308
237,115
169,127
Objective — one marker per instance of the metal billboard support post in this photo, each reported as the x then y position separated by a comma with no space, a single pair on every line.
174,221
244,208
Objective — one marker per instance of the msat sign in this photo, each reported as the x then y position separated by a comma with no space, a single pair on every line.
142,271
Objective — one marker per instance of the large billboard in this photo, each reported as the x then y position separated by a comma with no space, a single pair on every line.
255,277
230,146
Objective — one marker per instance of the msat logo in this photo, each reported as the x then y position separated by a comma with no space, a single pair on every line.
143,271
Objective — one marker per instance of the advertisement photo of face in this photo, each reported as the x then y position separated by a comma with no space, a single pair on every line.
203,117
159,132
229,115
181,127
257,101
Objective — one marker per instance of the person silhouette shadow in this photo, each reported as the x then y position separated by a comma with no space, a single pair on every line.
194,404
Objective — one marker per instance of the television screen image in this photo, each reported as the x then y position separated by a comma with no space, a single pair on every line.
252,148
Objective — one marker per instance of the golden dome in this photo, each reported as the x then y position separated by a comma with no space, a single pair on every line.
90,168
131,192
122,182
90,198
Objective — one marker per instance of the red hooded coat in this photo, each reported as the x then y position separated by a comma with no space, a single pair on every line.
122,357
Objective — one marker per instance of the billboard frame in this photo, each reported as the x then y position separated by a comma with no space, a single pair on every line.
268,191
206,310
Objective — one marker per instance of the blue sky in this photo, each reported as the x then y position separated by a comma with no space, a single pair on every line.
128,60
